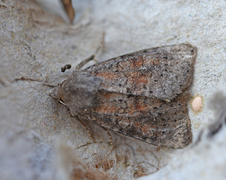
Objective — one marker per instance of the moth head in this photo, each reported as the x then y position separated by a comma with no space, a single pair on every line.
79,92
57,94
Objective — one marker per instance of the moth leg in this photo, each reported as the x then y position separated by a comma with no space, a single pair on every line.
87,129
81,64
90,135
22,78
101,44
110,136
145,164
26,79
101,162
92,57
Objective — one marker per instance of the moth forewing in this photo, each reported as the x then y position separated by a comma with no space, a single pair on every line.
143,94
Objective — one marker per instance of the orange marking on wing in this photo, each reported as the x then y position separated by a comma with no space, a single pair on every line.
130,109
141,80
141,107
136,124
108,76
106,108
136,64
145,129
153,62
132,76
109,96
136,109
136,78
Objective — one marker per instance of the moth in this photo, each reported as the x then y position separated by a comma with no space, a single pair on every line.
143,95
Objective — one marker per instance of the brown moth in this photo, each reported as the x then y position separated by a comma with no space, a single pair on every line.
142,95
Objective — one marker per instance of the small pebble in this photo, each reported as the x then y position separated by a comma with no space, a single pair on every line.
197,104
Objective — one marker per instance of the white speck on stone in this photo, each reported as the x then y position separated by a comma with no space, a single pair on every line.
197,104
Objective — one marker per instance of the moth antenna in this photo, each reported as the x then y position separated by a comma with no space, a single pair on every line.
92,57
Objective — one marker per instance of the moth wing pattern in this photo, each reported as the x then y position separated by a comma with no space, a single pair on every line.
134,89
143,95
148,119
161,72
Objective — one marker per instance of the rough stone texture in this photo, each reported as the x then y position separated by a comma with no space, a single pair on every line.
35,45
